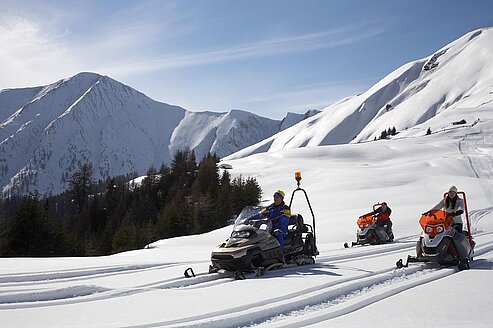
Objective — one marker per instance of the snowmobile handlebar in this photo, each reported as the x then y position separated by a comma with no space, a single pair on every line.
258,221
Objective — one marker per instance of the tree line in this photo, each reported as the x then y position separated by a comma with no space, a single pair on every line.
117,214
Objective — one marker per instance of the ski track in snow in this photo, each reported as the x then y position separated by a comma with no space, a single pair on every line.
326,301
302,307
67,275
477,147
37,296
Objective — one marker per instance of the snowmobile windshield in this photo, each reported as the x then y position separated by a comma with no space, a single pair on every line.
365,221
248,213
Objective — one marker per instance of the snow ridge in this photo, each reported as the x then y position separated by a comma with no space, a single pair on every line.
460,75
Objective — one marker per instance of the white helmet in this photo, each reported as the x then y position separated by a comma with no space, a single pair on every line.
453,188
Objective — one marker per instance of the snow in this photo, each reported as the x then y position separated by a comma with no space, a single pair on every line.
353,287
47,133
404,99
344,288
220,133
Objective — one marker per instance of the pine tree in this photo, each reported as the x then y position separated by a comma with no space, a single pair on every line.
176,219
124,238
224,200
30,233
79,186
383,135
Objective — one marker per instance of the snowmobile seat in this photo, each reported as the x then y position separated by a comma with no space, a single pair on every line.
293,224
301,224
296,224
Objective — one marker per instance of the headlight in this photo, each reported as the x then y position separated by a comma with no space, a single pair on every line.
240,234
439,229
428,229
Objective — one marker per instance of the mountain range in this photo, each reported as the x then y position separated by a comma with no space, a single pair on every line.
48,132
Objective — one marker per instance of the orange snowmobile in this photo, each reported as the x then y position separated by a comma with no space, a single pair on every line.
441,243
369,232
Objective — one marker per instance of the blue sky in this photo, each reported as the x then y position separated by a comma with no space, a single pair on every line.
267,57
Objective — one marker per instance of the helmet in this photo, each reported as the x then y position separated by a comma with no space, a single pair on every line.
453,188
279,193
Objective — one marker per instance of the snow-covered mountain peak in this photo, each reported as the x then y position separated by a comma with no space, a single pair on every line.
239,114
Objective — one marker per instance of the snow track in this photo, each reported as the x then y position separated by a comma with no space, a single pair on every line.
45,289
66,275
341,281
478,149
323,302
329,300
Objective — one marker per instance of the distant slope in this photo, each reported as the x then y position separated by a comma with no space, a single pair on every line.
457,76
221,133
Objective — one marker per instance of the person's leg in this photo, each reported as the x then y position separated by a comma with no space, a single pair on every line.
389,225
280,237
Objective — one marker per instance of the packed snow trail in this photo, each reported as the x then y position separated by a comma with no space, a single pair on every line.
325,301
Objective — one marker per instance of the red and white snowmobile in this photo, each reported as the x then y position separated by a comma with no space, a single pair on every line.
441,243
369,232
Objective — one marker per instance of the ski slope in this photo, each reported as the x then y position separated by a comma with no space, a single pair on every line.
344,288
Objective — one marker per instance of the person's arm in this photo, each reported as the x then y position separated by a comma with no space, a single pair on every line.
439,206
286,211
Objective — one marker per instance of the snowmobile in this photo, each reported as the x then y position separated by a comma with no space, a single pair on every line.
369,232
441,243
252,248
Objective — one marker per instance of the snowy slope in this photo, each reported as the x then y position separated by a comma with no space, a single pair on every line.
344,288
47,133
458,75
221,133
86,118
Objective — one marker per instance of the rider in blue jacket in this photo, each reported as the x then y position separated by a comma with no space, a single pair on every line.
279,213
